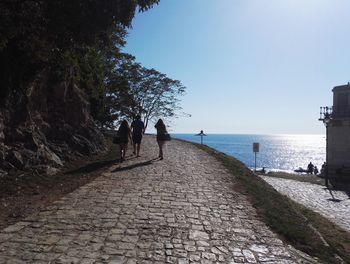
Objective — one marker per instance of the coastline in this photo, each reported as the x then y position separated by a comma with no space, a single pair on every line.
280,153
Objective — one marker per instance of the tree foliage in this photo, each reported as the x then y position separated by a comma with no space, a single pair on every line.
147,92
36,34
82,39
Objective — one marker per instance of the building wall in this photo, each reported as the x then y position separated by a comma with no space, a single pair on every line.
341,98
341,95
339,146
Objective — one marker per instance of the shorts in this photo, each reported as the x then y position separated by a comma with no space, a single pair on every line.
136,139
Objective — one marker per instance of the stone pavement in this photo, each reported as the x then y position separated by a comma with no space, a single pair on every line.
334,205
183,209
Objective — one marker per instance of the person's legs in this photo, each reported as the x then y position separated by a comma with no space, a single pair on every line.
160,145
138,150
121,152
123,148
137,144
134,141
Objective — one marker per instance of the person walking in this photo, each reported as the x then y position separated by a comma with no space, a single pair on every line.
124,134
162,136
137,128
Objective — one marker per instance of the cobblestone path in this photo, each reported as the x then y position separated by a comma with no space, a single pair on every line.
182,209
334,205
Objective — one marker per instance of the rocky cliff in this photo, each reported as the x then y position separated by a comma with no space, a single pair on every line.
46,127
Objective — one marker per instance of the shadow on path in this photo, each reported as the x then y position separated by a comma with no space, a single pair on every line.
343,187
347,191
141,164
333,199
93,166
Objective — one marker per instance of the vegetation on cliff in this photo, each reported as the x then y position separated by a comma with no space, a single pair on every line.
63,72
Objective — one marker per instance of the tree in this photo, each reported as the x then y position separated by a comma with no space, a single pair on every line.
41,34
157,95
80,40
56,60
134,89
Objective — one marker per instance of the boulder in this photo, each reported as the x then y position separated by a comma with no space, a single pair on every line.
2,135
29,157
2,152
2,173
45,169
15,158
61,149
47,126
48,157
81,145
7,166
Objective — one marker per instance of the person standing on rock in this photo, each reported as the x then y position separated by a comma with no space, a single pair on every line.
138,128
162,136
124,134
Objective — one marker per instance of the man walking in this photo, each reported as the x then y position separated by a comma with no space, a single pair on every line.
137,128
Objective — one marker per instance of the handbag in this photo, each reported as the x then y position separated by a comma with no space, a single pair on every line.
167,137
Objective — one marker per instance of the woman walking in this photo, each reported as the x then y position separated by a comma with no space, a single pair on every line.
162,136
124,134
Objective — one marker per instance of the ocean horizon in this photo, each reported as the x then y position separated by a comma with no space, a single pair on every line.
277,152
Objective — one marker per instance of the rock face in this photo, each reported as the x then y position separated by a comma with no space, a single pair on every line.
46,127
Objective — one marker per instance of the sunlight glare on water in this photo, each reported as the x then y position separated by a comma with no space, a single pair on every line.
277,152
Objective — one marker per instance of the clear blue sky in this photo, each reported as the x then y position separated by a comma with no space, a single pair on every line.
250,66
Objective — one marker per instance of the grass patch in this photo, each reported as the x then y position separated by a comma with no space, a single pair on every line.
292,221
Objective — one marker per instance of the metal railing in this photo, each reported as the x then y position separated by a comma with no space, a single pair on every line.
334,112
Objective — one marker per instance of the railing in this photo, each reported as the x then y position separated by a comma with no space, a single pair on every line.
334,112
326,112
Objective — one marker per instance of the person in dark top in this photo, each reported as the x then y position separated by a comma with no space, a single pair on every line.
161,132
124,134
310,168
138,128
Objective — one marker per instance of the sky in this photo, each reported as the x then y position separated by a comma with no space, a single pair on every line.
250,66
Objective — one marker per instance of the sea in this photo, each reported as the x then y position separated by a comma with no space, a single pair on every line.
276,152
